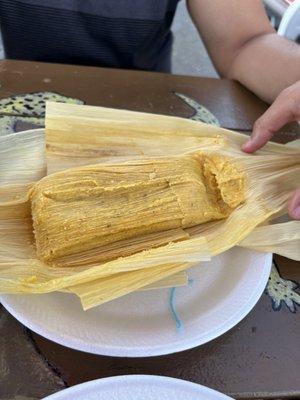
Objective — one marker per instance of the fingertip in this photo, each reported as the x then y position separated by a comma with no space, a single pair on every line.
295,213
248,147
294,206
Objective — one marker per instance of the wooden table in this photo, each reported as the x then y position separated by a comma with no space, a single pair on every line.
259,358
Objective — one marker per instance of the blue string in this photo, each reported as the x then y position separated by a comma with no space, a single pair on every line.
175,316
173,311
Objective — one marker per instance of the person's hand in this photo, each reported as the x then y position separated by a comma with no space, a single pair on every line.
286,108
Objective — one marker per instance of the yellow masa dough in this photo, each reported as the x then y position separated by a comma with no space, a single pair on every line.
84,208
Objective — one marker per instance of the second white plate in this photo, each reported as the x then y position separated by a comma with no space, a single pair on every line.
221,293
138,387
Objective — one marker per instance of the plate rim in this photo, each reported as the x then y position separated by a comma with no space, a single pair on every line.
147,351
76,389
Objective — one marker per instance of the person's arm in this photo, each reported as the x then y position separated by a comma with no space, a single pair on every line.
243,46
286,108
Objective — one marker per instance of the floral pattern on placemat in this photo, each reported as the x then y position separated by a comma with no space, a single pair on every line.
201,113
28,108
282,291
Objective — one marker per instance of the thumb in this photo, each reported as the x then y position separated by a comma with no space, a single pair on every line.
278,114
294,206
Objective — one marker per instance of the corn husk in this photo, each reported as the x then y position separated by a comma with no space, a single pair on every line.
84,135
282,238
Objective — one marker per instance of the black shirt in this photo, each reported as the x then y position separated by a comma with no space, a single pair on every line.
132,34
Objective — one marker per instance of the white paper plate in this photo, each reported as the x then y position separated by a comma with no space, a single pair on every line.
222,292
138,387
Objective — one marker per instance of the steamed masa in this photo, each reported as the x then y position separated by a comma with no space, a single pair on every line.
84,208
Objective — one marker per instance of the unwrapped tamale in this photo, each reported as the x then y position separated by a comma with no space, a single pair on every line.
90,207
100,200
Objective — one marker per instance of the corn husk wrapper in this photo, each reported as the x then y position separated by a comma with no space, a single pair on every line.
83,135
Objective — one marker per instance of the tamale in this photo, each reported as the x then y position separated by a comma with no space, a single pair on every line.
91,207
81,136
